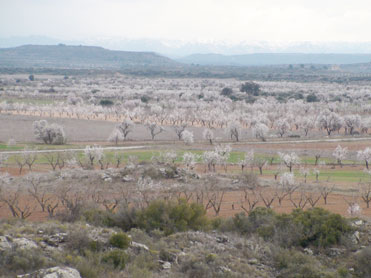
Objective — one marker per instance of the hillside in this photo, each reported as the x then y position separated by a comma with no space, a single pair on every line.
261,59
78,57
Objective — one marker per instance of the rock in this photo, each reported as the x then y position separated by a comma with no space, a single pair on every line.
56,239
222,239
127,178
24,243
224,269
253,261
308,251
334,252
165,265
358,223
106,177
4,243
139,246
356,237
54,272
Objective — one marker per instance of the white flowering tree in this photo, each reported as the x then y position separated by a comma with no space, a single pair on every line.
285,187
208,135
329,121
260,131
365,155
187,137
234,130
352,122
125,128
247,160
115,136
289,159
282,126
190,160
340,154
179,130
154,129
49,133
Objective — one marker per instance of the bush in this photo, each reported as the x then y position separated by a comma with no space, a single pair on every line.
98,217
316,226
78,241
250,88
260,220
106,102
312,98
320,227
126,218
21,260
362,266
49,133
172,217
227,92
120,240
116,258
293,264
145,99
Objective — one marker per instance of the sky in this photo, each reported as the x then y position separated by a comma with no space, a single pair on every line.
190,20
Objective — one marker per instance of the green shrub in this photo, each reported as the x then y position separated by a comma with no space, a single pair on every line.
172,217
316,226
116,258
261,219
293,264
120,240
18,260
312,98
363,265
106,102
79,242
98,217
126,218
320,227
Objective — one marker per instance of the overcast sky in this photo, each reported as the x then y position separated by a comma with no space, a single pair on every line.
203,20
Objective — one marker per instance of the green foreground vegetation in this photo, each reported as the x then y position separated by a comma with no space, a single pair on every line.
166,230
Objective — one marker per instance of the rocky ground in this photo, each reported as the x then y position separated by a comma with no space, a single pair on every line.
53,249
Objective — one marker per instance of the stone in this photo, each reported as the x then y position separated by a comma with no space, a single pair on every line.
54,272
4,243
222,239
358,223
127,178
334,252
225,269
24,243
356,237
139,246
56,239
253,261
166,265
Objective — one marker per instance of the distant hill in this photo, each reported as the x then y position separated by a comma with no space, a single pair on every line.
78,57
262,59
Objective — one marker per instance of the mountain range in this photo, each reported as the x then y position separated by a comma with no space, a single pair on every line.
181,48
78,57
266,59
93,57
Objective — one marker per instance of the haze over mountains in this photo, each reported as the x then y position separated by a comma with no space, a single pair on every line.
178,48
